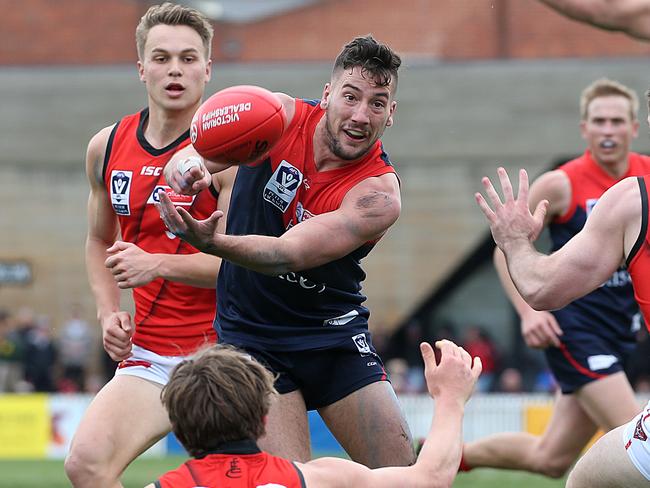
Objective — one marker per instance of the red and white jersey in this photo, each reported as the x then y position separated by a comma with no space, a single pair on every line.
638,261
171,319
245,466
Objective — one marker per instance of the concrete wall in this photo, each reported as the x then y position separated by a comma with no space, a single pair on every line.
454,123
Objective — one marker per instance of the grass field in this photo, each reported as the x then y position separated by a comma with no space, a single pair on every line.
37,474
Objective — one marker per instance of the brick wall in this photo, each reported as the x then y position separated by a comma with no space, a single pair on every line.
101,31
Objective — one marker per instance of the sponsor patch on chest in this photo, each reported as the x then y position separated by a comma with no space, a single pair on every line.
120,185
283,185
176,198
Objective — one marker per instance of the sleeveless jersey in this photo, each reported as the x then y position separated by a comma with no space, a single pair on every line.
609,310
237,465
171,319
638,262
304,310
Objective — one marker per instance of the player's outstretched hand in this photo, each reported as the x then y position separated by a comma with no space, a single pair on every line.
540,329
453,379
130,265
117,331
202,234
511,221
187,175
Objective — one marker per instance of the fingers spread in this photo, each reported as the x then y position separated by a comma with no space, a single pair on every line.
508,194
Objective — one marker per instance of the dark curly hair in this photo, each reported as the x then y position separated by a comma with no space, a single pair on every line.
374,58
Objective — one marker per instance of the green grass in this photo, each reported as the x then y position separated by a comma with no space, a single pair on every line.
37,474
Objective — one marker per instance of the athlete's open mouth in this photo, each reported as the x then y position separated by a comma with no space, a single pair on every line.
355,134
175,87
608,144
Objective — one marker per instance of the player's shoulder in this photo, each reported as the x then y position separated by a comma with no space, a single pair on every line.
100,139
551,185
620,203
289,104
96,152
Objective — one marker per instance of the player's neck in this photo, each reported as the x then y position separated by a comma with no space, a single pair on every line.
164,126
615,169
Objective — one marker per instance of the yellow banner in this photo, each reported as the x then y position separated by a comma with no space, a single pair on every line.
24,426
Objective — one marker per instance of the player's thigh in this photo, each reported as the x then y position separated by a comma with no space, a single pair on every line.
371,427
124,419
607,465
287,429
567,433
610,401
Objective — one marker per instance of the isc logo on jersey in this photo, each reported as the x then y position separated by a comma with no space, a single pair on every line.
151,171
176,198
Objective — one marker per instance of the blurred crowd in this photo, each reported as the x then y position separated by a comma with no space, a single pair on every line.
37,357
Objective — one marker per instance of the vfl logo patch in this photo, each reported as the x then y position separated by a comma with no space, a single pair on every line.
176,198
120,189
362,344
281,188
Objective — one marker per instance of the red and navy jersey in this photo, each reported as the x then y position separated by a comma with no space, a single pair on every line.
304,310
638,261
171,319
609,310
236,465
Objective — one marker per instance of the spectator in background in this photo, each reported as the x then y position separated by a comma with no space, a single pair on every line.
11,354
74,344
510,381
477,342
40,356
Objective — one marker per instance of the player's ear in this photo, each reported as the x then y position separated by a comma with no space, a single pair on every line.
208,71
141,71
324,101
393,106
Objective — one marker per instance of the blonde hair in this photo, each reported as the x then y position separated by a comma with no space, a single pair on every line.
605,87
171,14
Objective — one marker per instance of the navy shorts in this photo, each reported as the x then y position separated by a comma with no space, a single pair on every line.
583,358
324,376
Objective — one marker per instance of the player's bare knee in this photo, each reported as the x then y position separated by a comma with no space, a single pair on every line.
81,470
545,462
552,467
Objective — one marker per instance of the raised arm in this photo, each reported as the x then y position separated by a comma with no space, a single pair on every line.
450,384
585,262
117,327
629,16
366,212
538,328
